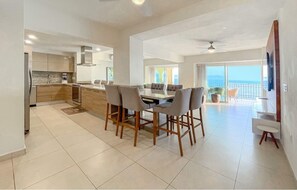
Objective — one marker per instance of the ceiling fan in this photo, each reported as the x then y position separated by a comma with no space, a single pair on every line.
143,6
209,46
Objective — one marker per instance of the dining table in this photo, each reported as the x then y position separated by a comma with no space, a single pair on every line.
156,96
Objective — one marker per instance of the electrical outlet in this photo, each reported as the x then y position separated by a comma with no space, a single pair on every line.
285,87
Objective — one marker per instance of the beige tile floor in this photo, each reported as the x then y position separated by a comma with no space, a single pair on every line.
74,152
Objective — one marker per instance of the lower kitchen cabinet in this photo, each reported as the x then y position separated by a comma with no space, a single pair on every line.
48,93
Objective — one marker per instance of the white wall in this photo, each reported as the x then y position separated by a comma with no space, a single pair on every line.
288,49
98,72
12,71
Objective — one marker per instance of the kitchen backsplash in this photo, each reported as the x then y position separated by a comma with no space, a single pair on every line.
49,77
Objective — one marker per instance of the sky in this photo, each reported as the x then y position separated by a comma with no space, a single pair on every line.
242,73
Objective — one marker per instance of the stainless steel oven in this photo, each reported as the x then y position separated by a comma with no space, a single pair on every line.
76,98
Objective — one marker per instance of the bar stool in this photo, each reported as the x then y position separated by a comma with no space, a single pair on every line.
177,108
132,101
196,103
113,99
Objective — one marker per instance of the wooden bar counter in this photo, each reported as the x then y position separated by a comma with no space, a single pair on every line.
93,99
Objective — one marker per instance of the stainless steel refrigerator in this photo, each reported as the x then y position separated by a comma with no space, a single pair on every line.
27,93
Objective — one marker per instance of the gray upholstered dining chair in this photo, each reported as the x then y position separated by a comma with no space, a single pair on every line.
174,87
132,101
176,109
113,97
158,86
196,103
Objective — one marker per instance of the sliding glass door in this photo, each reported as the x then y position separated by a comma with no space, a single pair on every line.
233,82
216,83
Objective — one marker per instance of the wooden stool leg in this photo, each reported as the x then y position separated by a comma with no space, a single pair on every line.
201,120
266,137
193,125
155,125
263,135
275,142
189,128
137,123
167,124
182,120
179,137
118,119
123,121
106,118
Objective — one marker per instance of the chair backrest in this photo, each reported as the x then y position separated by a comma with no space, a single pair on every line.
181,102
233,92
131,98
157,86
173,87
113,95
97,82
196,98
103,82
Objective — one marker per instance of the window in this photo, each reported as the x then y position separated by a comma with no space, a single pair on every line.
160,74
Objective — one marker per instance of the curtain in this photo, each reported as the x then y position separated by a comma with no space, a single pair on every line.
201,76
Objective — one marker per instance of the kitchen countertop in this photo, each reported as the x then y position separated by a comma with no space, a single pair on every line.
52,84
94,87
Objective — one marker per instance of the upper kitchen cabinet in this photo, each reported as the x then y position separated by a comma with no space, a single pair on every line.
39,61
52,63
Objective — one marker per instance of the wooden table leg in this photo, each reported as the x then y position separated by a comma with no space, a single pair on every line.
263,136
275,142
155,125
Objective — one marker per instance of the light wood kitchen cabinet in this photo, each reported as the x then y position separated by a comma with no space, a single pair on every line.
68,93
58,63
48,93
52,63
39,61
94,101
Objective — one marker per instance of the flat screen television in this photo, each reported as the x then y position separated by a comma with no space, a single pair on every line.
269,70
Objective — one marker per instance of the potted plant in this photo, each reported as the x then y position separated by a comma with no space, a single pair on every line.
216,94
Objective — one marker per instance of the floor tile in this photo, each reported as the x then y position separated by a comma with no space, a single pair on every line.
252,176
41,150
6,175
71,178
195,176
221,160
135,177
87,149
134,153
104,166
30,172
75,137
163,163
271,159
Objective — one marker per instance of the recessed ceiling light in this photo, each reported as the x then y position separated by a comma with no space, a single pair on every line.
138,2
98,49
32,37
28,42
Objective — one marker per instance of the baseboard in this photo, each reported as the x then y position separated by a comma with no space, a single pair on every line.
13,154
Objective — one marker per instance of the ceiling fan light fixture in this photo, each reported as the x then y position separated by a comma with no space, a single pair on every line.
211,49
138,2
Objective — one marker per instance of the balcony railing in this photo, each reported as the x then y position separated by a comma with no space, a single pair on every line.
246,91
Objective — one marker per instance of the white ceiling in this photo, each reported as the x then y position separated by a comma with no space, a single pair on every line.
60,43
237,28
119,14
